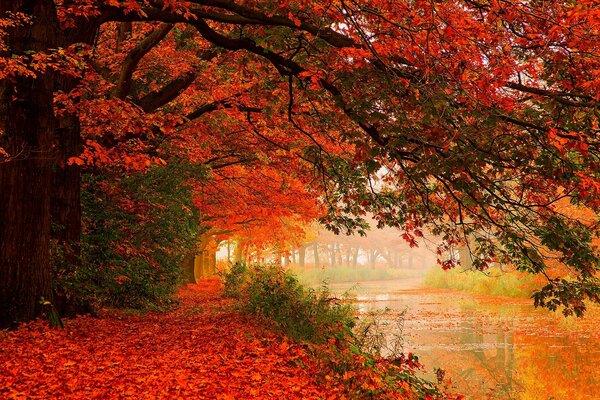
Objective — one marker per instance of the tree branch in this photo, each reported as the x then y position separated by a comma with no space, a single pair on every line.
158,98
123,87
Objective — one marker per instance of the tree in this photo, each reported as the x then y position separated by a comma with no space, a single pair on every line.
27,126
472,118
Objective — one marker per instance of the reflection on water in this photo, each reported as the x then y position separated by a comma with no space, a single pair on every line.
491,348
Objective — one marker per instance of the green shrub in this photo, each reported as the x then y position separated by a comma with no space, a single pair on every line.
136,231
270,292
275,294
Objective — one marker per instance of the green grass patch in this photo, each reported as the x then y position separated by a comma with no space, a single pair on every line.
316,276
493,282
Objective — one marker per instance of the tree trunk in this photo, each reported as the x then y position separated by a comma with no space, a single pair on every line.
301,257
66,195
465,257
65,211
338,254
213,261
331,249
348,256
373,255
286,259
187,267
123,32
201,259
238,253
27,132
316,252
205,263
355,258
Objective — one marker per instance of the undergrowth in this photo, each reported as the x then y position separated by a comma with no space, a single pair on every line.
347,349
302,313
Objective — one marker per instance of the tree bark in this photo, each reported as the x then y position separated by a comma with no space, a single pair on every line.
187,268
465,257
302,257
238,253
27,126
123,32
66,194
316,253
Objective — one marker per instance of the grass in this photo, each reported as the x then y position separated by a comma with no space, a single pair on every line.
494,282
316,276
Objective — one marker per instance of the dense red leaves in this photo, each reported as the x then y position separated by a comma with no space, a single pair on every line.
201,350
478,115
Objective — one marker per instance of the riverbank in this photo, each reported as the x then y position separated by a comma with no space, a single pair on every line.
202,349
490,282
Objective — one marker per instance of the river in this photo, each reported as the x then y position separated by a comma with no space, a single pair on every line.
488,347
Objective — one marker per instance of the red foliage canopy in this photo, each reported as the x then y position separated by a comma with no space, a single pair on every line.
471,118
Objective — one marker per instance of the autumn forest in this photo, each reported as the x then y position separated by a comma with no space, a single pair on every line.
355,199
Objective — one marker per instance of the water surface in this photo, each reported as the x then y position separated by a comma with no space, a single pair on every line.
489,347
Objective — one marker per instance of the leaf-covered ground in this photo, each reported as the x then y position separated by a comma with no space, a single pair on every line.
202,349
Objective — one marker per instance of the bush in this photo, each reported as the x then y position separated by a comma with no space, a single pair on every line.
270,292
275,294
136,231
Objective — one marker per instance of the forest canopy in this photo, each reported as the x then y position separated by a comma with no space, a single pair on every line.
477,121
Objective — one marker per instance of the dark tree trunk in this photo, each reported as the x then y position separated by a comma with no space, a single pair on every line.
123,32
66,212
66,195
27,132
187,268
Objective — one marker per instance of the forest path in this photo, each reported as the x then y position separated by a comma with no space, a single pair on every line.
203,350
